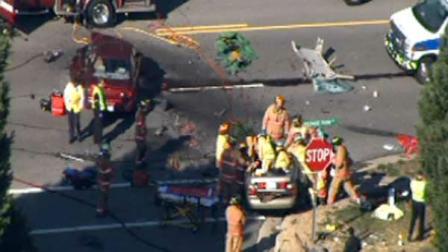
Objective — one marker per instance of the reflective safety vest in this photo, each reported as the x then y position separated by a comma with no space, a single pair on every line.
99,98
74,97
418,189
283,160
222,144
68,90
266,150
299,152
78,99
295,132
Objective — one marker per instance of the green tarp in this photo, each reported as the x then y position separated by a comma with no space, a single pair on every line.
235,52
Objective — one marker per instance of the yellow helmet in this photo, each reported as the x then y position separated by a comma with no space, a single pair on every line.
280,97
224,127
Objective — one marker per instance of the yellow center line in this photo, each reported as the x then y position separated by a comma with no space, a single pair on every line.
202,27
277,27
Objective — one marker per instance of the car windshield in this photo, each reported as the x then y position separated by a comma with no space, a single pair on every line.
431,13
114,69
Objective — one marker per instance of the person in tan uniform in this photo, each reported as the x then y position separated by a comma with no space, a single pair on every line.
276,121
236,220
342,163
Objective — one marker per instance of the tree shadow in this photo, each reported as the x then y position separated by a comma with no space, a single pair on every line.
127,120
151,79
29,23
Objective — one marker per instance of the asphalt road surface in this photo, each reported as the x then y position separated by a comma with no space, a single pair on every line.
356,33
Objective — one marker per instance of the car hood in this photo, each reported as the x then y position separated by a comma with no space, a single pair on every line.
411,28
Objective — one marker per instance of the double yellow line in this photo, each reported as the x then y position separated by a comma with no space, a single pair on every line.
190,30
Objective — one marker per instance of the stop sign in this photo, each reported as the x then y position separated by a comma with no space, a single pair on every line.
319,154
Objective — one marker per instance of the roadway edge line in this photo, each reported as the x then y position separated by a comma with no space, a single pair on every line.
205,88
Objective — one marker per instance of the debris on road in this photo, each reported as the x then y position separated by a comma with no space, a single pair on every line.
70,157
235,52
334,86
391,147
367,108
375,94
160,131
307,103
220,113
52,55
188,129
317,64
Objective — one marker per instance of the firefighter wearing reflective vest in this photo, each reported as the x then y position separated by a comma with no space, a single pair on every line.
297,129
105,173
298,150
419,195
99,107
141,131
343,174
283,159
230,165
276,121
222,141
266,154
74,104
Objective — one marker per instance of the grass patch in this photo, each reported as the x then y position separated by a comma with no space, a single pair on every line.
400,168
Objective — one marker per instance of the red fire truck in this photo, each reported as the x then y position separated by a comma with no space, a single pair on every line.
98,13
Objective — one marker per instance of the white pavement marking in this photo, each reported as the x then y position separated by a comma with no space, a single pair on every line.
29,190
226,87
57,189
127,225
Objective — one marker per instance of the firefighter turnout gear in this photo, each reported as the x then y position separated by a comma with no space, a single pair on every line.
298,129
105,174
276,120
266,154
141,132
283,160
231,166
418,190
236,220
74,104
342,163
222,142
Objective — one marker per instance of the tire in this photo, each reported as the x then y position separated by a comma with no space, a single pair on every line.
101,13
424,69
353,2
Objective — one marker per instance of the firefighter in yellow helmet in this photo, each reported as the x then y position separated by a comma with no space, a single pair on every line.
276,121
222,141
343,176
266,153
298,151
298,128
283,159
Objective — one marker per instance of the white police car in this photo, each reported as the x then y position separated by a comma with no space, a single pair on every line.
415,36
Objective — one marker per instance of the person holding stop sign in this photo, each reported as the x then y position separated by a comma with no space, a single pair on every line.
342,163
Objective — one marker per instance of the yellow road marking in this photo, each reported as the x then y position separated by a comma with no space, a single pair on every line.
278,27
202,27
172,39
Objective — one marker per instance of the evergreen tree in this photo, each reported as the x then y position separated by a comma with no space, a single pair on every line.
13,233
433,136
